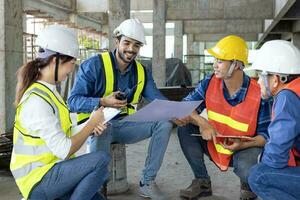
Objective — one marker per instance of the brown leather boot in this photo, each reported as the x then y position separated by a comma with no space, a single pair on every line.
246,193
198,188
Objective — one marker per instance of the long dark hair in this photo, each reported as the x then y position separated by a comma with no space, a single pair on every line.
30,73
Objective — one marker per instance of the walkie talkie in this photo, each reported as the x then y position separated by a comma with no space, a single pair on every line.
123,95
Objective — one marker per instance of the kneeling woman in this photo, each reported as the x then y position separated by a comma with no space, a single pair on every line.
42,162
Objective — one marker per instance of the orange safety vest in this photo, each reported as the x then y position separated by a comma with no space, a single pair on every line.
294,154
240,120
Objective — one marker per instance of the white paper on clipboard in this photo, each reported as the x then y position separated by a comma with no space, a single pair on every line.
109,114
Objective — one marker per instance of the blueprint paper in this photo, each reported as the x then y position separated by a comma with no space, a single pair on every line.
159,110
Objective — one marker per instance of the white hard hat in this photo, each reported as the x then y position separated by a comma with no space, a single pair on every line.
131,28
277,56
59,39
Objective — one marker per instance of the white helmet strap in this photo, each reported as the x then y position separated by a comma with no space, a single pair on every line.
267,86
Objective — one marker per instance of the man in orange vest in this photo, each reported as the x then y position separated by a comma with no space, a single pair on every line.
277,177
235,109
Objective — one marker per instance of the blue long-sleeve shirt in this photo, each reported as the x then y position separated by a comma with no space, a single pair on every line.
264,116
89,84
284,130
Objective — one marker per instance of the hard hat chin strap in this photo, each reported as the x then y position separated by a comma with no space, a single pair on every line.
230,70
56,67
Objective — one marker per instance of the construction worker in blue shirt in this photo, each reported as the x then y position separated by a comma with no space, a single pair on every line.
43,162
234,108
97,82
277,176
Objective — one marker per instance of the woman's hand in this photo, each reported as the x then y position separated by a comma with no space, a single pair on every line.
98,130
97,117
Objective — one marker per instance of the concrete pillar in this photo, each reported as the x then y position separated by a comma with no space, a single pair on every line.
296,39
159,42
203,70
119,10
178,39
193,58
11,58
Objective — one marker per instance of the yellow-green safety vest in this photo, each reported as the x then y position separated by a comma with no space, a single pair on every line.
110,84
31,158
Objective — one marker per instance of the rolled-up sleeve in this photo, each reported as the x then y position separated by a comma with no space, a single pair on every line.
83,96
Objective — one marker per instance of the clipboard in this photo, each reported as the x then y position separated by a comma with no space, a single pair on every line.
242,137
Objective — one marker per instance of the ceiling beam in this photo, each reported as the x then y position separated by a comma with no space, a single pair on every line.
216,37
61,11
219,9
223,26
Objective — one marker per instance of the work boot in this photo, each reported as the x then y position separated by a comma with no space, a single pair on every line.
246,193
198,188
151,190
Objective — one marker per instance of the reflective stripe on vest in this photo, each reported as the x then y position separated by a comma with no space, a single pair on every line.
31,158
226,119
110,85
294,86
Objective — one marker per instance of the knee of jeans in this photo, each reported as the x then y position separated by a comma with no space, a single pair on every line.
242,168
241,172
165,127
103,159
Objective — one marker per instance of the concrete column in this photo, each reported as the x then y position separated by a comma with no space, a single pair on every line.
296,39
178,40
159,42
193,58
119,10
202,68
11,58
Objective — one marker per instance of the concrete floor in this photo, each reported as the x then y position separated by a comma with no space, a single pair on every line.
174,175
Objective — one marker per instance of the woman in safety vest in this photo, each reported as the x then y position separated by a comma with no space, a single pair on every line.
43,162
277,177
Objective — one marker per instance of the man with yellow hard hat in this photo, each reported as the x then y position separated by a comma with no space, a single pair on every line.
234,109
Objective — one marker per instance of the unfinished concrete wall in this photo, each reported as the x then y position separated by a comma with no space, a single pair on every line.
159,42
11,58
178,40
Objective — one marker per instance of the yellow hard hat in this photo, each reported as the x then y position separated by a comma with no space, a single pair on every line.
230,47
